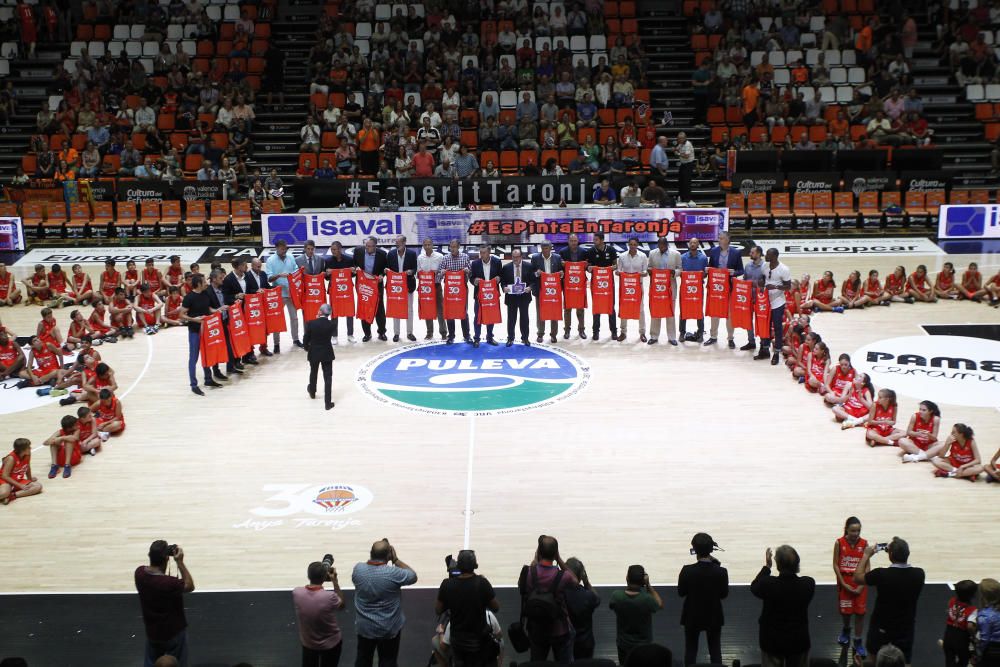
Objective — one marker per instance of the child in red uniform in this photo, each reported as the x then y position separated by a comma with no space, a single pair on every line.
959,456
852,598
921,440
851,293
64,446
972,284
98,326
48,330
77,330
90,440
944,283
10,295
12,360
838,378
856,403
171,314
121,314
895,286
131,280
16,480
816,363
148,309
44,365
802,362
37,287
175,273
959,628
59,286
882,420
110,280
992,469
96,377
151,276
873,290
917,286
108,411
993,289
81,286
823,297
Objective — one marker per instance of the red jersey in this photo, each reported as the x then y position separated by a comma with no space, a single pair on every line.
817,368
791,304
873,287
824,292
6,285
36,280
855,403
107,412
152,278
122,319
971,280
959,613
848,290
46,333
85,428
884,413
945,280
841,379
78,329
175,276
894,285
81,283
46,362
57,282
919,284
959,454
8,353
19,473
850,556
109,281
919,425
96,322
174,304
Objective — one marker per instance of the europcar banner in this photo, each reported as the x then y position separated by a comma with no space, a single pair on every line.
619,224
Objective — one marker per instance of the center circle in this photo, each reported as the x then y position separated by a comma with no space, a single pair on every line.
458,379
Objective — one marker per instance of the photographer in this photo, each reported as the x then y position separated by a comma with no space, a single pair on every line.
703,584
634,608
899,587
467,597
377,602
316,610
161,597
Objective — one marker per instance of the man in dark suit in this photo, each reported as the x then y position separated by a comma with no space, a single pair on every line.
723,256
784,617
545,261
703,584
517,272
486,267
338,260
217,301
319,351
234,286
402,260
372,260
257,281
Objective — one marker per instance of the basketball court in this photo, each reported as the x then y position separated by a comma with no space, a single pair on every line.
621,450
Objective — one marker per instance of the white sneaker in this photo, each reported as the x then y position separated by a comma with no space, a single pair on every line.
910,458
352,339
104,435
334,341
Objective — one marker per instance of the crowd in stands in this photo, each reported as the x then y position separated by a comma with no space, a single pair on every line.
476,90
797,76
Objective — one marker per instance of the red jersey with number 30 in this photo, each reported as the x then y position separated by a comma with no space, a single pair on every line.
850,556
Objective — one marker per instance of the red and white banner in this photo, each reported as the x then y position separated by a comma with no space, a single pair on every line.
396,306
550,301
213,341
427,295
456,294
489,301
575,284
274,311
629,296
602,290
313,295
253,313
367,288
661,293
295,288
741,306
239,336
717,301
692,294
341,292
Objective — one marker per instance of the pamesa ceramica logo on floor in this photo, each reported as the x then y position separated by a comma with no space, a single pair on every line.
459,379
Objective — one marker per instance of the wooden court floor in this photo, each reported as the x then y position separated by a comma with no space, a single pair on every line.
663,442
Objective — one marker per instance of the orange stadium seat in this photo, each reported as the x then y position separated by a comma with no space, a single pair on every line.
803,207
79,215
219,212
149,214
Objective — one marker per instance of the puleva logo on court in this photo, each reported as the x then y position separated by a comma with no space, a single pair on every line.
459,379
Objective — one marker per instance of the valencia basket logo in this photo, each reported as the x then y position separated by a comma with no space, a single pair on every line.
458,379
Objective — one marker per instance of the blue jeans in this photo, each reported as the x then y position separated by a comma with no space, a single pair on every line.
777,320
194,351
175,646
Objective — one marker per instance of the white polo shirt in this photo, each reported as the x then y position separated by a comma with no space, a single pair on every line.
776,277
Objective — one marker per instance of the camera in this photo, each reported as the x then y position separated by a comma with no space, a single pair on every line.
881,546
328,560
171,550
452,566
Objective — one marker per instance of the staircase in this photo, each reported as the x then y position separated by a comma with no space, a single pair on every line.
33,82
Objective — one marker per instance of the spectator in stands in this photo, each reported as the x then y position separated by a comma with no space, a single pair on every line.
489,107
207,172
465,163
346,158
527,132
701,83
64,172
430,114
590,153
257,195
91,161
423,162
879,128
85,119
100,137
490,170
526,108
713,22
658,160
784,616
147,171
445,169
403,163
428,134
45,162
604,193
227,174
310,134
488,134
45,122
325,171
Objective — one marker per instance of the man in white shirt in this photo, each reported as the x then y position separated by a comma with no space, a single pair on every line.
225,116
310,135
777,280
431,114
429,260
665,257
685,169
633,262
145,117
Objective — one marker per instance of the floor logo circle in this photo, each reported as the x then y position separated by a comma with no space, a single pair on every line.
959,370
459,379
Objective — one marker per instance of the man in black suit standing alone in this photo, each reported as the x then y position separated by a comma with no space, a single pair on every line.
516,278
372,260
487,267
319,351
703,584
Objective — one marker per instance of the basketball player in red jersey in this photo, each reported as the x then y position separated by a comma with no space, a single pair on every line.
77,330
895,286
59,286
12,359
918,288
796,339
823,297
108,411
154,278
110,280
802,362
856,402
992,469
81,286
873,290
171,314
851,292
852,598
37,287
881,428
131,280
148,309
121,314
48,330
944,283
90,439
64,447
99,326
29,30
16,480
972,283
10,295
921,440
960,455
793,300
44,365
174,276
837,378
819,359
993,290
97,376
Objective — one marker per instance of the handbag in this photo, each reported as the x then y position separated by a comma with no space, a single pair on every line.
518,637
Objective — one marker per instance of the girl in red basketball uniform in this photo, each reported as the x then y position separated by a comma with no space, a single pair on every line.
10,295
851,293
148,309
799,371
171,314
64,446
823,297
793,300
873,290
121,314
993,289
856,403
44,365
816,364
895,286
944,283
921,440
131,280
881,428
108,411
852,598
796,338
972,283
959,629
83,288
110,280
151,276
788,328
16,480
917,286
838,378
960,455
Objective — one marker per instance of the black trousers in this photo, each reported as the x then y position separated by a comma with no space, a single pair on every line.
685,171
327,658
517,311
387,647
612,322
465,327
379,314
327,366
714,639
350,325
701,327
229,347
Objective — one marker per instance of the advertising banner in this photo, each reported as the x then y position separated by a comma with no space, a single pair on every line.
978,221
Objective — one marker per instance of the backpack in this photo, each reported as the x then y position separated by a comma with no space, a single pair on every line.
541,606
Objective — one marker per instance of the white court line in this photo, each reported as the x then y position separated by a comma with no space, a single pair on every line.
468,481
138,379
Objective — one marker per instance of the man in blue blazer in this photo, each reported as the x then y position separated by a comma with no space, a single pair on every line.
487,267
723,256
402,260
545,261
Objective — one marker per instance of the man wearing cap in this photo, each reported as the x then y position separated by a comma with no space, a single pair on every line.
544,262
466,598
703,584
319,351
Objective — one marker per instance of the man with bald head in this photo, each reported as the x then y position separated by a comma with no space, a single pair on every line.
380,618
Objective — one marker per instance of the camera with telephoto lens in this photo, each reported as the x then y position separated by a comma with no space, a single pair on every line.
171,550
881,546
328,561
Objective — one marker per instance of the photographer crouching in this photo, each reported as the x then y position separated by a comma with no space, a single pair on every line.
161,597
316,610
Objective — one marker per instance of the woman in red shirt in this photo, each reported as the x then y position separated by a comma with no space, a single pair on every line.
851,293
895,286
823,297
944,283
856,402
959,456
874,291
917,286
921,440
972,283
